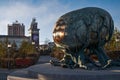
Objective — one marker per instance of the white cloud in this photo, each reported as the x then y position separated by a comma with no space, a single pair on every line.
20,10
46,14
3,26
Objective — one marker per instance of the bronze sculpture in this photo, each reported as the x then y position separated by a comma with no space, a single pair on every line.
83,30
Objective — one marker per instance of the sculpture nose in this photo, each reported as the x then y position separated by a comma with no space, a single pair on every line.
58,36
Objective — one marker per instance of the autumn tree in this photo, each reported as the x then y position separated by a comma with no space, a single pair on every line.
46,41
2,50
26,48
114,43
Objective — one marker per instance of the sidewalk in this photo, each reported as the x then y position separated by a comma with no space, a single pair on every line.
43,70
44,59
23,74
5,72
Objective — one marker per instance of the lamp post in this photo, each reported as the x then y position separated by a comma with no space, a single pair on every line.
117,40
9,46
33,43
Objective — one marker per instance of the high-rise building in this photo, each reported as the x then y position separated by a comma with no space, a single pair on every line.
16,29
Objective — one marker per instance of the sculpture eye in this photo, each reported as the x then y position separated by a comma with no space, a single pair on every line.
58,34
60,22
57,27
63,27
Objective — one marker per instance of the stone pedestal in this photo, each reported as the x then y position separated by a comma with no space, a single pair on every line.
45,71
49,72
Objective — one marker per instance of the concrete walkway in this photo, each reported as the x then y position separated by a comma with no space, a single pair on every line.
48,72
44,59
5,72
45,71
23,73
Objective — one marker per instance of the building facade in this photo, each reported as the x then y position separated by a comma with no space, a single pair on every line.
11,39
16,34
16,29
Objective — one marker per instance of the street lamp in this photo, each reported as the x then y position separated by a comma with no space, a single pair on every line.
33,43
117,40
9,46
35,47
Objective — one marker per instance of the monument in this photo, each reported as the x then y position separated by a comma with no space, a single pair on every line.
34,33
82,33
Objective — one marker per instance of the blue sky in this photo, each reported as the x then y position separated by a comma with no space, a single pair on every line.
47,12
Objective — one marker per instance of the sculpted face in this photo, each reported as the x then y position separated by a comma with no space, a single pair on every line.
59,31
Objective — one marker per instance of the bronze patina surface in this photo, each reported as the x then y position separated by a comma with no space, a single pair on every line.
82,33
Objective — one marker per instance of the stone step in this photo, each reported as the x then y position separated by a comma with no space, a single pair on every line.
19,78
25,74
49,72
20,75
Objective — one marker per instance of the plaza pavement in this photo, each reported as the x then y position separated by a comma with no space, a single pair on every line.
5,72
52,73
